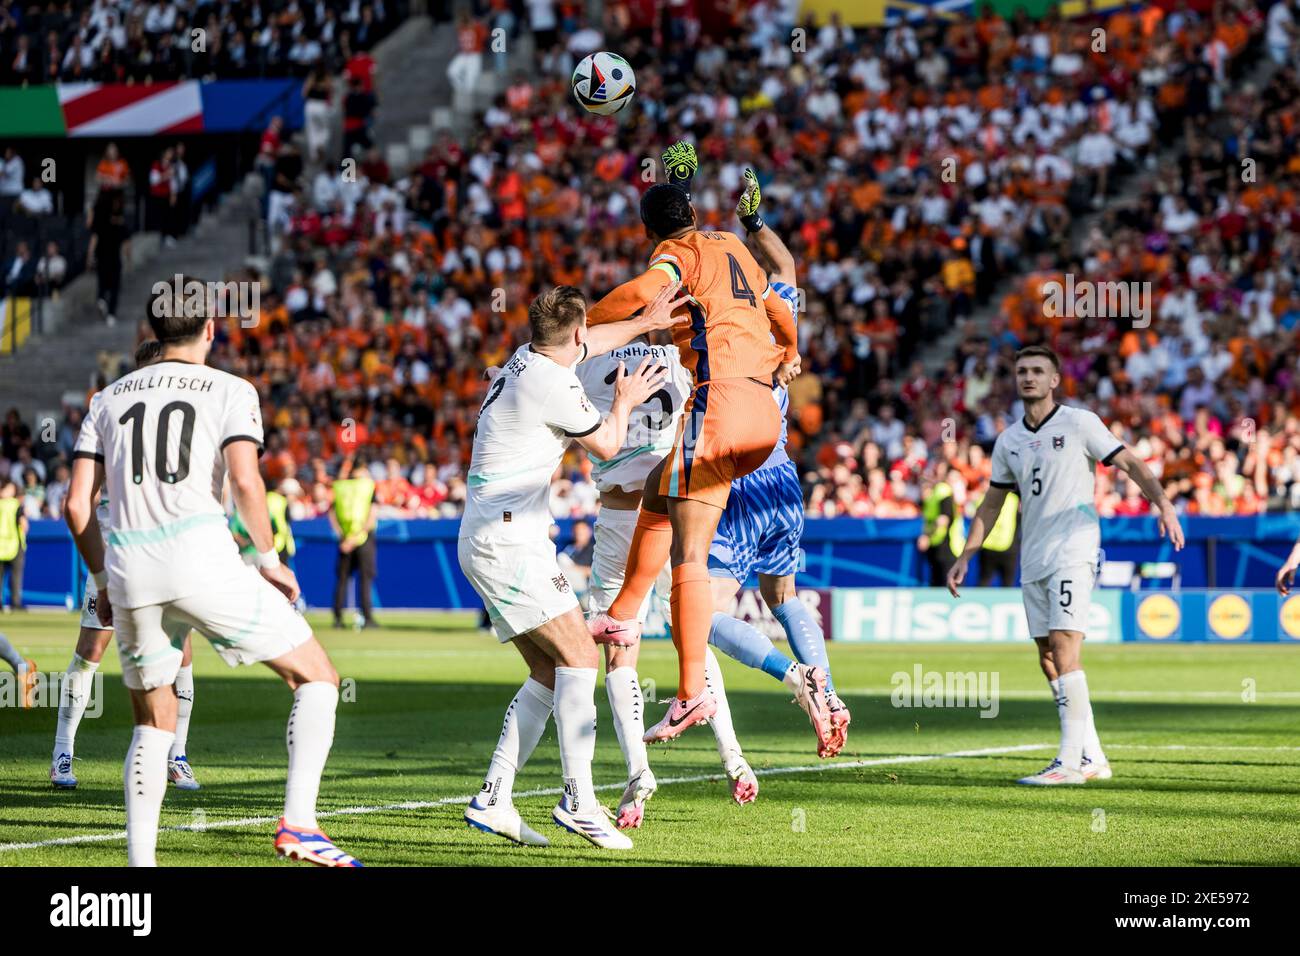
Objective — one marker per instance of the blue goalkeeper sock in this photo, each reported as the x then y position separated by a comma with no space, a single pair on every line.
806,638
751,647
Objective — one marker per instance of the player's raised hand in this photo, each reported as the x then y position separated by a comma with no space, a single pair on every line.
632,390
284,581
681,164
1286,576
1169,525
956,575
751,198
658,313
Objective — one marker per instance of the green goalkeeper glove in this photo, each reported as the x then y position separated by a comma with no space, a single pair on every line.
747,208
681,164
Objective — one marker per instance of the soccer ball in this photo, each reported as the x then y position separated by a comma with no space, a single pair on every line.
603,83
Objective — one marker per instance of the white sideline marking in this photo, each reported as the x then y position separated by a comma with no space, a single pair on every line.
1100,694
541,792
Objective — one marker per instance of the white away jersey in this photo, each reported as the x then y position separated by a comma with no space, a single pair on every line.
652,427
1052,469
531,411
160,432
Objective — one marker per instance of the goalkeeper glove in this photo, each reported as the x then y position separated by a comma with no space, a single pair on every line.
747,208
681,164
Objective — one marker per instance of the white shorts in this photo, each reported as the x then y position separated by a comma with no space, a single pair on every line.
1061,601
520,582
613,533
630,473
244,618
89,617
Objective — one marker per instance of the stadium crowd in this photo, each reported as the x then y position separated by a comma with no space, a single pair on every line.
929,177
139,41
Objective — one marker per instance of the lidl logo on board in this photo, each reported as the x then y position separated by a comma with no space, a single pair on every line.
1158,616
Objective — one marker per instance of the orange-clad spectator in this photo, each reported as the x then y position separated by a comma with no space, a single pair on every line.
112,171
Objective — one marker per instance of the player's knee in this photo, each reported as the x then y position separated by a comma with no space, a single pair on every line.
776,590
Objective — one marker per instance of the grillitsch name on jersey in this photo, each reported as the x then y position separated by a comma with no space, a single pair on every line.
177,382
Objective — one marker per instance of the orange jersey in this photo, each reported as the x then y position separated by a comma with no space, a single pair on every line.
734,313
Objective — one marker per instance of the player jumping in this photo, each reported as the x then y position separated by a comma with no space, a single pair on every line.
1049,458
91,643
620,481
161,440
760,531
532,409
729,430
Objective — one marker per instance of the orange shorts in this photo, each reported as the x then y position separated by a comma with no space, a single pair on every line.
730,427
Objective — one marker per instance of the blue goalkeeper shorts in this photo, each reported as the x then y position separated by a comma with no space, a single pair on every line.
761,527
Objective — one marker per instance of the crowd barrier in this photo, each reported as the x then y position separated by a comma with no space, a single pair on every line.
866,577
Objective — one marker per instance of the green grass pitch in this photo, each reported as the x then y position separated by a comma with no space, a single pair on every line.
1203,776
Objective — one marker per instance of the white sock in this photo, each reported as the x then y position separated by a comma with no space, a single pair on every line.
74,696
184,705
1074,709
309,735
1091,742
144,778
625,700
724,732
575,722
791,678
525,722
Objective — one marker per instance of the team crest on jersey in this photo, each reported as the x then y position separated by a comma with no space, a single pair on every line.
561,583
1058,441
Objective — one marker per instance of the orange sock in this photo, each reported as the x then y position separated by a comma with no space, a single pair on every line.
692,604
645,559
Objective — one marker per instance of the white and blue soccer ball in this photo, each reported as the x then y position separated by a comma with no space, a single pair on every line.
603,83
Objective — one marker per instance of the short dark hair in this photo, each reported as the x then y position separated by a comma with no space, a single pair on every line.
665,209
555,313
1031,351
147,352
178,311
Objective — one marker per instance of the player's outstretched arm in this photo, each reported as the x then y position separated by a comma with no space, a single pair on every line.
657,314
249,492
629,392
985,517
772,251
1135,468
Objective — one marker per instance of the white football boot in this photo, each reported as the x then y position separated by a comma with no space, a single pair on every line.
505,822
631,809
595,827
61,774
1095,771
1053,774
